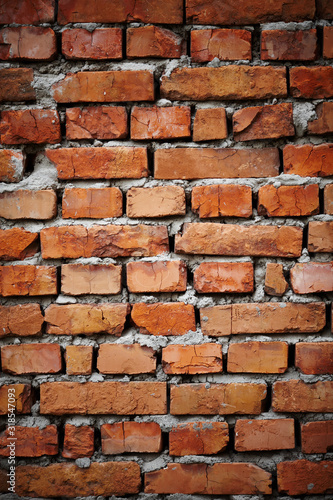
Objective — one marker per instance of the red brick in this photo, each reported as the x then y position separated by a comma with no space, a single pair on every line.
3,481
224,83
78,441
98,122
288,201
24,204
324,9
28,280
12,165
156,277
22,395
17,244
313,358
29,43
263,122
216,479
320,236
68,480
79,359
223,277
87,319
312,277
275,283
31,441
297,396
160,123
262,435
30,126
103,241
105,86
258,357
222,200
308,160
21,320
80,279
317,437
198,438
31,358
225,44
163,318
328,199
216,321
160,201
328,42
27,12
215,163
102,43
117,162
90,398
305,477
283,45
192,359
324,123
131,437
129,359
311,83
210,11
210,124
152,41
92,203
16,84
114,11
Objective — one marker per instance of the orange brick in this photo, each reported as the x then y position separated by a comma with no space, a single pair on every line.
225,44
16,84
97,122
192,359
28,280
22,395
288,201
317,437
312,277
79,359
30,126
163,318
152,41
210,124
24,204
27,12
223,277
311,83
222,200
12,165
275,283
129,359
131,437
324,122
305,477
328,42
297,396
328,199
102,43
216,321
17,244
159,201
30,441
320,236
308,160
28,43
283,45
160,123
21,320
78,441
313,358
31,358
198,438
80,279
92,203
156,277
262,435
258,357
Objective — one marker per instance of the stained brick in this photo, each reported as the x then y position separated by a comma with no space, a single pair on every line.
17,244
317,437
223,277
198,438
25,204
222,200
131,437
283,45
21,320
258,357
102,43
311,83
305,477
96,122
152,41
92,203
78,441
328,199
320,236
31,441
160,201
28,42
203,358
30,126
262,435
297,396
312,277
79,359
210,124
160,122
28,280
288,201
328,42
12,165
16,84
313,358
164,318
129,359
324,123
80,279
31,358
225,44
156,277
22,395
27,12
275,283
308,160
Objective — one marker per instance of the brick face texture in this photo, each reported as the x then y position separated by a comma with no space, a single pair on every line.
166,274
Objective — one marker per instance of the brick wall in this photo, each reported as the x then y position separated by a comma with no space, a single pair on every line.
166,282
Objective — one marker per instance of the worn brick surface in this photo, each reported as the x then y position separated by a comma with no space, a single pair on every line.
25,204
27,42
130,359
328,199
79,359
305,477
159,201
78,441
328,42
164,318
275,283
153,41
297,396
324,123
317,437
225,44
258,357
222,277
17,244
92,203
12,165
31,358
155,277
222,200
30,126
311,83
80,279
27,11
203,358
28,280
314,358
288,201
131,437
16,84
23,398
210,124
312,277
308,160
283,45
262,435
198,438
102,43
31,441
320,236
21,320
96,122
160,123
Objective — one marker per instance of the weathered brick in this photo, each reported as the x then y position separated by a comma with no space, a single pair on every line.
288,201
102,43
308,160
198,438
80,279
311,83
192,359
223,277
131,437
17,244
31,358
129,359
152,41
225,44
222,200
97,122
12,165
211,238
305,477
324,9
216,321
258,357
105,86
103,241
16,84
78,441
314,358
275,283
163,318
30,126
160,201
27,12
68,480
87,319
79,359
324,123
92,203
320,236
25,204
216,479
31,441
283,45
210,124
328,199
156,277
312,277
219,163
28,280
114,11
21,320
297,396
317,437
28,42
160,122
224,83
328,42
118,398
263,122
262,435
22,395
